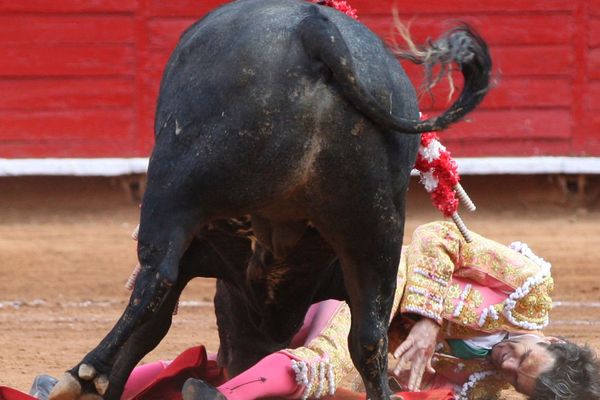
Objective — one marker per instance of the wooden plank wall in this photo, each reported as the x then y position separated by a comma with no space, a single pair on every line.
79,78
67,75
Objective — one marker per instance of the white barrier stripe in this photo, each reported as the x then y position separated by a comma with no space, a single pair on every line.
69,320
528,165
16,304
72,166
587,304
139,165
18,319
593,322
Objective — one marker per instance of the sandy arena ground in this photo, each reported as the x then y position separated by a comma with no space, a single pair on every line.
65,252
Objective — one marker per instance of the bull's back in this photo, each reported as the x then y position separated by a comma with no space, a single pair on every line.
249,51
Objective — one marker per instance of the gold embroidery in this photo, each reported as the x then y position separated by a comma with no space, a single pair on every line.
535,306
476,298
492,324
469,316
454,291
448,307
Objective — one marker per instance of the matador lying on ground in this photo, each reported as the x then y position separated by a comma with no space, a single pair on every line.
467,316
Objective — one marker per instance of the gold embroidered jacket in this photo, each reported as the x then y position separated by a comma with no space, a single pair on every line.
470,289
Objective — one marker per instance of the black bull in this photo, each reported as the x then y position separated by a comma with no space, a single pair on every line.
300,117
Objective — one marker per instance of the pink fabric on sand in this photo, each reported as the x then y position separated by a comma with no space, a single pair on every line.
271,376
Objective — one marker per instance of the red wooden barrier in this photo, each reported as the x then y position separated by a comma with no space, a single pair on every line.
79,78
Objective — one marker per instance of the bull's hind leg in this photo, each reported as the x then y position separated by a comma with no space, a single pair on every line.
167,225
368,244
142,341
201,259
204,257
100,377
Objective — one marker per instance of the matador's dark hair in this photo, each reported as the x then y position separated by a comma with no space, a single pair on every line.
575,374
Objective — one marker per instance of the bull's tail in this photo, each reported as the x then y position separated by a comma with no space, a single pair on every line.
461,45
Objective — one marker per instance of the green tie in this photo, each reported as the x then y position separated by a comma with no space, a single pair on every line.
462,350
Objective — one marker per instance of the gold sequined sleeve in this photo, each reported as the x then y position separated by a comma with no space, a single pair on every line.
431,259
331,345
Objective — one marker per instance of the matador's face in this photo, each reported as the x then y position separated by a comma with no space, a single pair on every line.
522,359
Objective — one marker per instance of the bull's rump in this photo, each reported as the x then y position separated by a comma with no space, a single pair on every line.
240,79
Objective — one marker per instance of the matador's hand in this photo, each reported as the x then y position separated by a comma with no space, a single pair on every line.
418,348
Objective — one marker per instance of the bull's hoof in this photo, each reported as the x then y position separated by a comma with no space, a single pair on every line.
196,389
81,387
101,384
86,372
67,388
